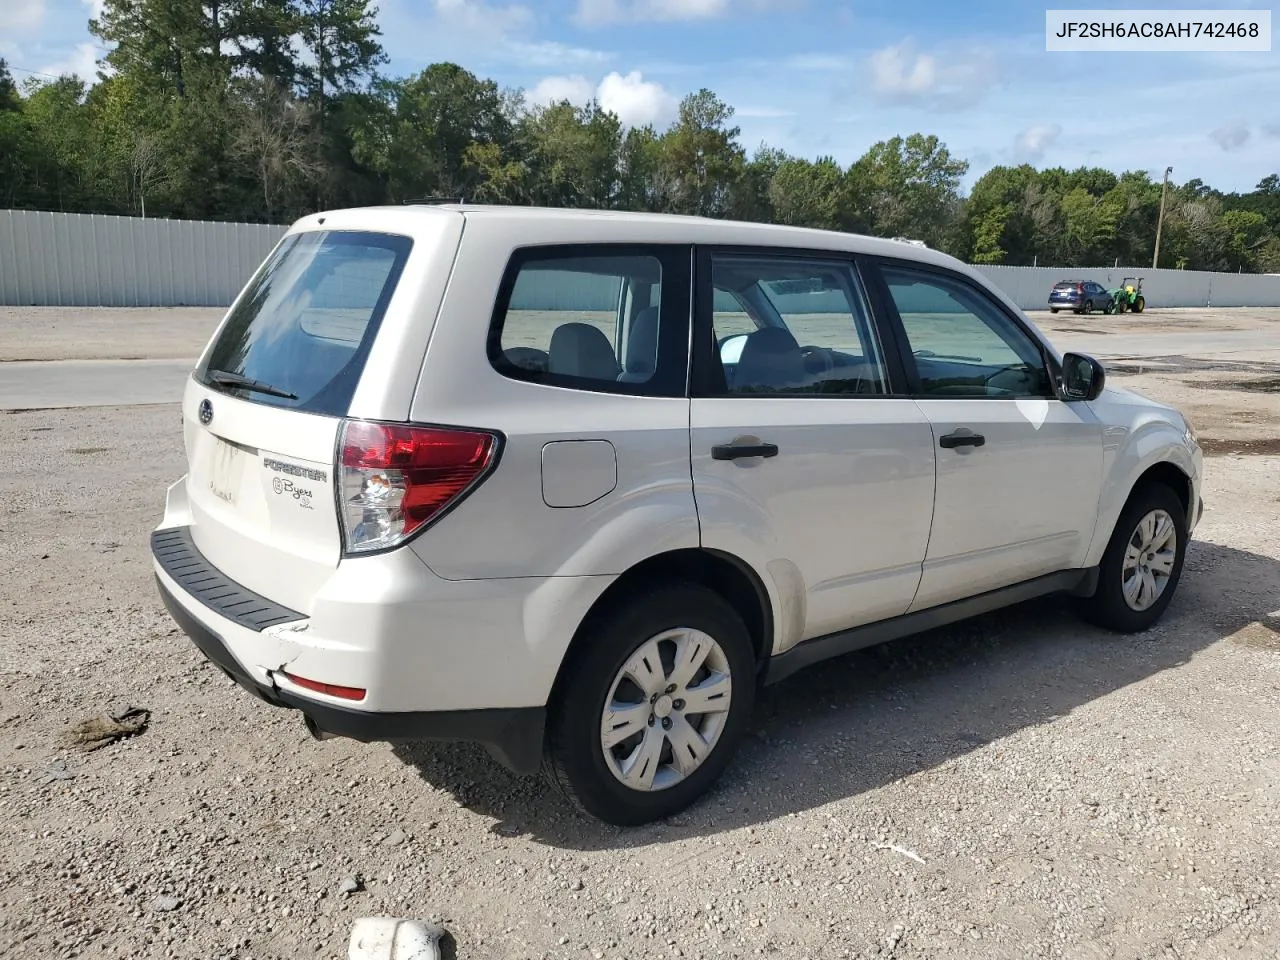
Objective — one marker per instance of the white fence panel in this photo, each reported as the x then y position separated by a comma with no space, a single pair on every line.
83,260
1029,286
61,259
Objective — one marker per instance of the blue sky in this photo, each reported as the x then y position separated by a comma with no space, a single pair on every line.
827,76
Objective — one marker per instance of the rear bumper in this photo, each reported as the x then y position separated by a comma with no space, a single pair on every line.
512,735
439,660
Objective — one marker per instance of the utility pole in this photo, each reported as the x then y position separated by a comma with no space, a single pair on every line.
1164,191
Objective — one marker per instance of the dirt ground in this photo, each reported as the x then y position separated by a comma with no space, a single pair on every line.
1020,786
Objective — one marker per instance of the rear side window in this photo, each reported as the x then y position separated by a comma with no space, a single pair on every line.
300,335
591,321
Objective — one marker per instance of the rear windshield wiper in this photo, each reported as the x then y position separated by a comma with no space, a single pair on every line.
228,379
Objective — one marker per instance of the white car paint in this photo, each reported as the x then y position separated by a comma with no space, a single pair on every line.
862,518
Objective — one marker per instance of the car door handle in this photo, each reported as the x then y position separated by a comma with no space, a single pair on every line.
961,438
735,451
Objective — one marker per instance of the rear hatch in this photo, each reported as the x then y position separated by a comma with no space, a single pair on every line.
1064,291
264,408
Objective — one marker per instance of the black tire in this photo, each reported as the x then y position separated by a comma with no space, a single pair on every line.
1107,608
1088,307
1139,305
575,760
1053,309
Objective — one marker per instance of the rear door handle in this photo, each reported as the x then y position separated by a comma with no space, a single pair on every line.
961,438
735,451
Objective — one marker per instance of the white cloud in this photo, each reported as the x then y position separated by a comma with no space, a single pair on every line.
95,7
635,100
21,14
1032,143
476,15
481,34
900,75
762,113
552,53
817,62
577,89
82,62
1231,135
1271,130
595,12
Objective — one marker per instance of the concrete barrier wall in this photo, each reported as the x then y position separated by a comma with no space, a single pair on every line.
60,259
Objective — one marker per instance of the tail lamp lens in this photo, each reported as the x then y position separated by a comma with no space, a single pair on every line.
395,478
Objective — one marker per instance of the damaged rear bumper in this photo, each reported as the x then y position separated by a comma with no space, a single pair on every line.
513,735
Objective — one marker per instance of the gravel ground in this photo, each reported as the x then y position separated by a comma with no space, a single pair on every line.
1019,786
105,333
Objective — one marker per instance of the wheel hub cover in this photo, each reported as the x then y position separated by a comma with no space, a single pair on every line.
662,707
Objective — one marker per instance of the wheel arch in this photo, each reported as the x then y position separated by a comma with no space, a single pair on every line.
729,576
1166,471
1171,475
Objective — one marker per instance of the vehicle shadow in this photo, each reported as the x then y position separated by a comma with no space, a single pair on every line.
870,718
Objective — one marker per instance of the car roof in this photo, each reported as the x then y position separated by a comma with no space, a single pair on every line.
622,226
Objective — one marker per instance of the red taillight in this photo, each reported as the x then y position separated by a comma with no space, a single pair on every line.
395,478
1079,288
331,689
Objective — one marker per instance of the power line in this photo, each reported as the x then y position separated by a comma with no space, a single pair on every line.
34,73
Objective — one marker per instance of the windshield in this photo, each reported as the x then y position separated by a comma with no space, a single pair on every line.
299,336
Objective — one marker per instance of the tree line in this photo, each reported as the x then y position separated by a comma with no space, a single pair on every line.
263,110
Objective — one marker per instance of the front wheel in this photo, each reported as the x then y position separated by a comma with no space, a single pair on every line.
1139,305
1143,563
653,705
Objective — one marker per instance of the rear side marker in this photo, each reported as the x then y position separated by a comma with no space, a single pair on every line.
328,689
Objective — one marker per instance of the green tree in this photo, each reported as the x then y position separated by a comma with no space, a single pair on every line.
805,194
1247,234
639,163
1090,227
700,162
909,187
341,38
998,226
9,99
438,116
572,155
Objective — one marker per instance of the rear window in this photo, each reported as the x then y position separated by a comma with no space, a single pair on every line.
303,329
1065,286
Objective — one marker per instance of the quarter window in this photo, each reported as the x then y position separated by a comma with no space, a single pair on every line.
962,344
792,326
591,322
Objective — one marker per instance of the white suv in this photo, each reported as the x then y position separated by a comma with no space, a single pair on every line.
574,484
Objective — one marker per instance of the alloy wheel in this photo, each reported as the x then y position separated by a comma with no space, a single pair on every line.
666,709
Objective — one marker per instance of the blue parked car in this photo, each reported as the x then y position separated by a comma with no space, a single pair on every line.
1080,296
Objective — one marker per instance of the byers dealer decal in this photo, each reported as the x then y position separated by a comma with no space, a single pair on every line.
284,486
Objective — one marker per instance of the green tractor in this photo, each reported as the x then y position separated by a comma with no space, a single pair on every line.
1128,296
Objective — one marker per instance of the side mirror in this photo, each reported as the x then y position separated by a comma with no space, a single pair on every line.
1082,377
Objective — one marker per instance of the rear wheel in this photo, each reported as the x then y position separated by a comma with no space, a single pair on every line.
1053,309
1143,562
653,705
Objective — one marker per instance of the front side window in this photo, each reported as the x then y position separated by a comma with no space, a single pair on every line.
791,326
299,335
590,322
963,345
